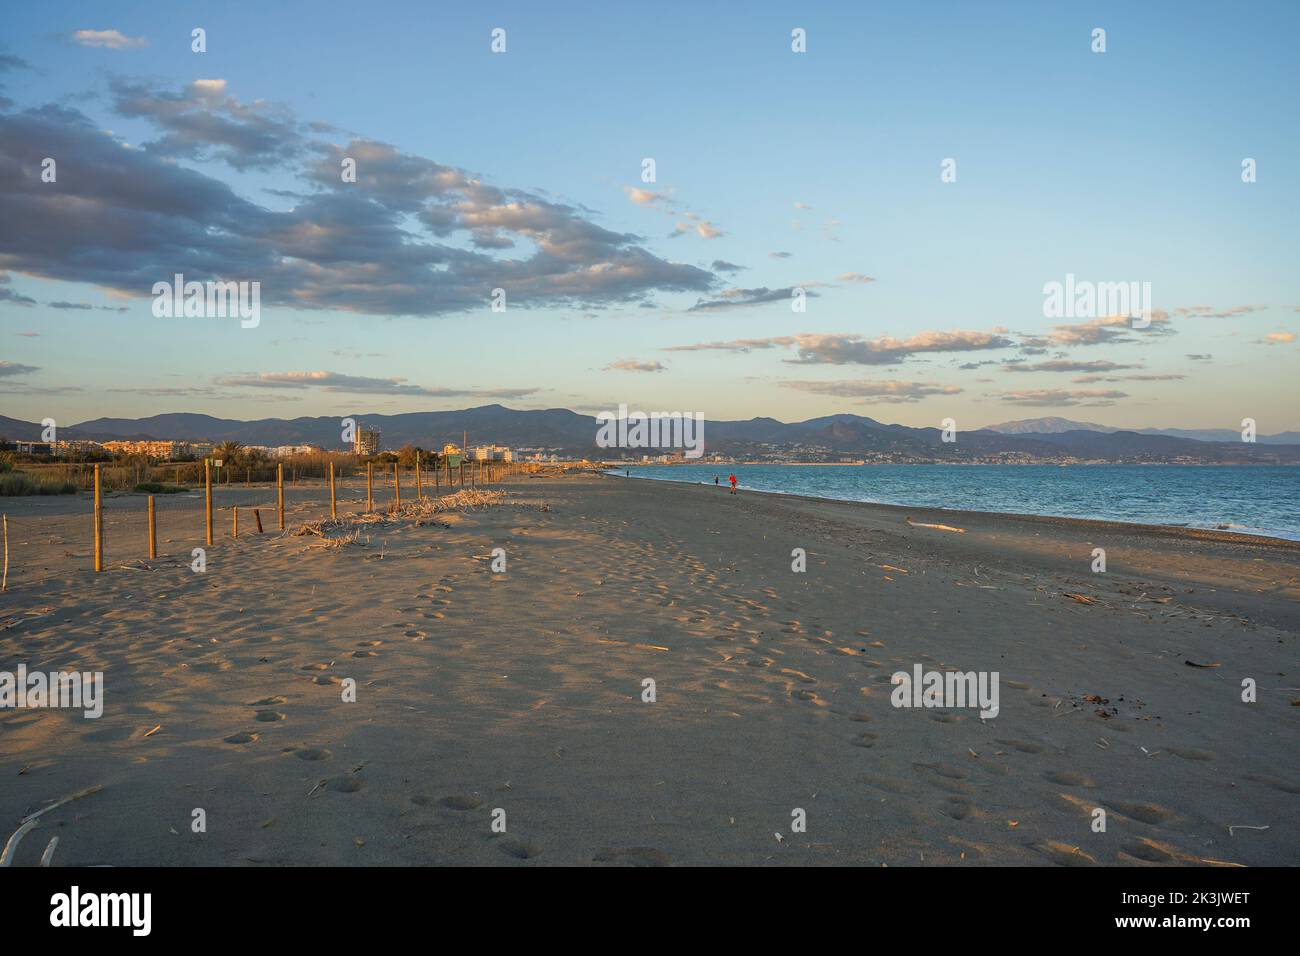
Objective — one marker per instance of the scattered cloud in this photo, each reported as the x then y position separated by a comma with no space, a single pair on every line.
632,365
1059,398
854,277
1065,365
1111,329
392,243
739,298
1209,312
1277,338
107,40
8,369
339,382
646,197
891,391
854,349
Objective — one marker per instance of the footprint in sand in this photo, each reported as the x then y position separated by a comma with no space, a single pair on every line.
633,856
1274,782
1069,778
1148,813
800,676
243,737
269,716
956,808
461,801
364,654
519,849
417,635
314,667
887,784
865,740
1063,854
369,643
809,696
108,735
945,717
1147,851
1188,754
269,701
312,753
347,783
1024,746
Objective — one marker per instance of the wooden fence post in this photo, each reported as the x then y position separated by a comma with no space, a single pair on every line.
153,532
207,488
236,513
333,511
279,492
419,492
397,487
99,523
370,486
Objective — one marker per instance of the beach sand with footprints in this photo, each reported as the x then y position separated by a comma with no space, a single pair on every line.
523,690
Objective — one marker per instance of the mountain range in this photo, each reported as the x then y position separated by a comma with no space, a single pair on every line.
830,438
1053,426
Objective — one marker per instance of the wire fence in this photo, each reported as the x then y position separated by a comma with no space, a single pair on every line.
54,535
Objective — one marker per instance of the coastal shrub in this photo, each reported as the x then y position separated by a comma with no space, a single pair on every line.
157,488
16,483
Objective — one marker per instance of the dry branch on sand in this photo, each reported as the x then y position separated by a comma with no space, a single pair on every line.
937,527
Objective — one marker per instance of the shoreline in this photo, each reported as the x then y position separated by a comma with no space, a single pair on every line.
1209,534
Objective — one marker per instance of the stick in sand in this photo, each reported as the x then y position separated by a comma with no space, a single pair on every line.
7,857
4,584
937,527
32,819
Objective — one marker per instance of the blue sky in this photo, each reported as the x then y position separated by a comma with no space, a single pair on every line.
818,170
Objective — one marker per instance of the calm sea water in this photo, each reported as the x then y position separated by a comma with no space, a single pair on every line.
1246,500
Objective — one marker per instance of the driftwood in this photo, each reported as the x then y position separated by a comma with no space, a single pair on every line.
937,527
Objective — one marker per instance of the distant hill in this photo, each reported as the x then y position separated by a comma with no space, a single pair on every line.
828,438
1052,426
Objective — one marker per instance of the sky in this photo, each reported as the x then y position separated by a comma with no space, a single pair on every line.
922,172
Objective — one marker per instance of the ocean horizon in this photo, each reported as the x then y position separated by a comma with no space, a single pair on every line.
1256,500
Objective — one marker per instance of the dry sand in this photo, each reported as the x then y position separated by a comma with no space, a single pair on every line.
523,690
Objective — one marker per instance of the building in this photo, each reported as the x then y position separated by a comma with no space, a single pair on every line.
492,453
288,451
163,450
366,442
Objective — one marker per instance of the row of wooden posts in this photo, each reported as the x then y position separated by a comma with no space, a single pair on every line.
478,472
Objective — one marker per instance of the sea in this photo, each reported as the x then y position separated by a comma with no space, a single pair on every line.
1259,500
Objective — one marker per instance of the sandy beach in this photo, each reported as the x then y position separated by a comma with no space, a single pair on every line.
522,691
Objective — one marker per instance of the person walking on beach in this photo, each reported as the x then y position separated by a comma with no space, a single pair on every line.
732,478
715,481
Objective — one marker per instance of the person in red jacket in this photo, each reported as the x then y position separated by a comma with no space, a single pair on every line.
732,479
